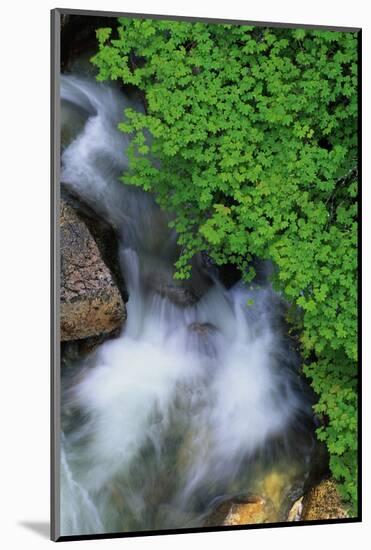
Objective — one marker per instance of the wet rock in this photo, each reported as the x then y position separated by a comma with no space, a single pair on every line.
87,346
73,120
249,509
180,296
201,338
157,273
295,513
69,353
91,303
202,329
323,501
73,351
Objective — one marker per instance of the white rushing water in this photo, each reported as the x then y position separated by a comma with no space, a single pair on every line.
176,413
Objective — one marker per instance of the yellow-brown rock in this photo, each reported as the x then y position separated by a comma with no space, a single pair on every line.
323,502
242,511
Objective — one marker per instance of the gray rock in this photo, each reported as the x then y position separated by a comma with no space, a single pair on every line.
105,235
91,303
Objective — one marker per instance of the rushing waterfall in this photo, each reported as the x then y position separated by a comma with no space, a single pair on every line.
191,404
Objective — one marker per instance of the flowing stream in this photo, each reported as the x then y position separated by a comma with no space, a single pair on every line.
192,404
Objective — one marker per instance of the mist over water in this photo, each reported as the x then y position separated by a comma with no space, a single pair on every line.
190,405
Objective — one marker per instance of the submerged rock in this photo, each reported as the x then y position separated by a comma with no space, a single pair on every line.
323,501
178,295
73,351
202,329
157,275
91,303
201,338
245,510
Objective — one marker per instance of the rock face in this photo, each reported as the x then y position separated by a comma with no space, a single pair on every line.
91,303
245,510
323,502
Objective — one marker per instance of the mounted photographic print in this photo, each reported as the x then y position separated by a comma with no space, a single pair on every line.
205,187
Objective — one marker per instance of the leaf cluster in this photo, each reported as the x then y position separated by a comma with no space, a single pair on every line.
250,138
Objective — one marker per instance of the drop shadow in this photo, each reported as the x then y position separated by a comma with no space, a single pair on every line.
42,528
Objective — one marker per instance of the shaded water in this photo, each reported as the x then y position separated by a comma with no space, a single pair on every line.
190,405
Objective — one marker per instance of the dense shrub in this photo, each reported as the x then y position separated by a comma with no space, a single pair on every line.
254,148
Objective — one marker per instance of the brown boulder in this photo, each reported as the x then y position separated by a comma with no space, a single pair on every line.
90,302
323,501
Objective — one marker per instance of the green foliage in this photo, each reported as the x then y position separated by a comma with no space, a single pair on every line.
250,138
